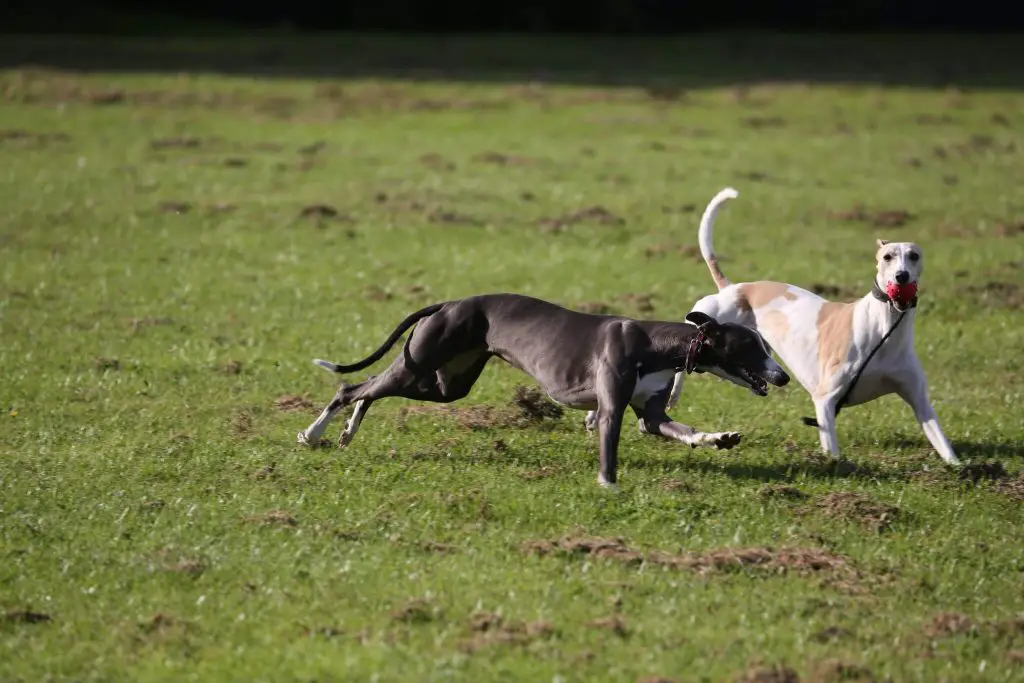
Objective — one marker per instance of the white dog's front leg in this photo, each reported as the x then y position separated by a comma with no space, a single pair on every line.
915,393
825,413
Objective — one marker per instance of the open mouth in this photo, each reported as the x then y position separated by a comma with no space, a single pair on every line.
758,386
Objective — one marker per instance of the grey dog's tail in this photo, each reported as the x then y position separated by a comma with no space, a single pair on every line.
410,320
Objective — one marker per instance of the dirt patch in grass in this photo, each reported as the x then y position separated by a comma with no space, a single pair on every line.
541,473
174,207
232,367
490,629
142,323
24,616
534,405
500,159
802,561
690,251
418,611
996,294
837,671
1014,488
762,122
267,472
835,292
159,623
323,212
1009,229
274,517
528,406
103,364
294,402
594,215
595,308
769,674
614,623
243,423
781,492
827,635
881,218
163,144
24,138
640,304
436,162
949,624
677,486
857,507
933,119
440,215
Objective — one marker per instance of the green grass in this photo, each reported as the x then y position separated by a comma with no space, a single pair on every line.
143,349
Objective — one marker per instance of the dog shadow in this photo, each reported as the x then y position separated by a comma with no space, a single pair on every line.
812,466
965,450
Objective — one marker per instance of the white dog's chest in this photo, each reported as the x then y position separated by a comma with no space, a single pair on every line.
651,384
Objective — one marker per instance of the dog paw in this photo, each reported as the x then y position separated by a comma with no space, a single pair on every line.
727,440
346,438
303,439
590,421
607,485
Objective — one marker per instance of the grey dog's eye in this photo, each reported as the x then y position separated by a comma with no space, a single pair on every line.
914,256
887,258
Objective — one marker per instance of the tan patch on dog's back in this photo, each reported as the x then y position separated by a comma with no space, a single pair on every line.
775,324
835,335
756,294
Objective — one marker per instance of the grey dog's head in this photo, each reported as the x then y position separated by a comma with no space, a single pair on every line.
736,353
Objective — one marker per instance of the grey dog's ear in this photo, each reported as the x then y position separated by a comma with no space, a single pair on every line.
702,320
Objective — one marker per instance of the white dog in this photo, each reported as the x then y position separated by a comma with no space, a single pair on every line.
844,354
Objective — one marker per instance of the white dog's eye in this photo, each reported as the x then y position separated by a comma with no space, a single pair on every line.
887,258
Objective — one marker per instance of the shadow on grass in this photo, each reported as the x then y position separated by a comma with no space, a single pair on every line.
811,468
667,66
998,450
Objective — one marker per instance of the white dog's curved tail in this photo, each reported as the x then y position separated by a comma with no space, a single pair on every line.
704,237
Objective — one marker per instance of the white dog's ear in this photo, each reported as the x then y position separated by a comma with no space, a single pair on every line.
882,243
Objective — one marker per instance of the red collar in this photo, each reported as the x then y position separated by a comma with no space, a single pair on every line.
698,341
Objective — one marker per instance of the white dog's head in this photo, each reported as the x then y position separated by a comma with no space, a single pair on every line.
900,265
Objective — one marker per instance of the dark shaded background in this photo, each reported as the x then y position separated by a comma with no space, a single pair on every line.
665,45
614,16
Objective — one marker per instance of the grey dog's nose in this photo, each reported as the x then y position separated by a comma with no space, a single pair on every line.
902,277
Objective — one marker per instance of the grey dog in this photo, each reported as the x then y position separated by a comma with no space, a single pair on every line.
587,362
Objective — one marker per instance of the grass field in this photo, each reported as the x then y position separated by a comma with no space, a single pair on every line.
176,247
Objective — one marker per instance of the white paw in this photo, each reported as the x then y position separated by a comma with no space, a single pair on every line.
590,421
605,484
345,438
302,438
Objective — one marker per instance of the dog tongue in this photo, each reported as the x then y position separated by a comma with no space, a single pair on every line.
901,294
